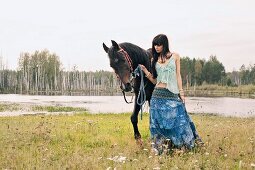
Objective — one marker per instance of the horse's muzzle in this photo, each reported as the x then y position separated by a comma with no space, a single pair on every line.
127,87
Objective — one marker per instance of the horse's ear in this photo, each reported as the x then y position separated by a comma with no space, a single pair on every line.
114,44
105,48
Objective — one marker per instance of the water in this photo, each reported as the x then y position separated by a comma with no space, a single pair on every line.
226,106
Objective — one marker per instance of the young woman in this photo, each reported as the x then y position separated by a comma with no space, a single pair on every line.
169,120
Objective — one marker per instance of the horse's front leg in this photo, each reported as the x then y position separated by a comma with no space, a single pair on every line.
134,120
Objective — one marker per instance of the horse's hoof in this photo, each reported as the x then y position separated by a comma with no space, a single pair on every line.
137,136
139,142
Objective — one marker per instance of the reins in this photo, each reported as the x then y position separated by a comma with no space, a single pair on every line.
124,95
141,98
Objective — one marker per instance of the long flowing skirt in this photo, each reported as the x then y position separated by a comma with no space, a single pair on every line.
169,120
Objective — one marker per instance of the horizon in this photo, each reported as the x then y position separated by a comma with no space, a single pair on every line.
111,70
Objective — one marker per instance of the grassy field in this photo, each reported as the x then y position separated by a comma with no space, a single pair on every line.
240,89
105,141
18,107
243,91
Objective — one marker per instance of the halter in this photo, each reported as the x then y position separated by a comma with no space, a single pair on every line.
127,57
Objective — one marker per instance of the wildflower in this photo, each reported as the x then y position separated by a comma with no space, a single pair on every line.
240,164
145,149
90,122
118,159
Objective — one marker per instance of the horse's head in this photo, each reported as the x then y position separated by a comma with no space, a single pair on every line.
121,64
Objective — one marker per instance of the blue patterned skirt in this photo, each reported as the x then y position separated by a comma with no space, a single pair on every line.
170,120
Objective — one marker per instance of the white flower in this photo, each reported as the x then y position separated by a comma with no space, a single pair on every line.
118,159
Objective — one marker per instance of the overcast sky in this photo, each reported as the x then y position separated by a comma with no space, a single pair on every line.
75,30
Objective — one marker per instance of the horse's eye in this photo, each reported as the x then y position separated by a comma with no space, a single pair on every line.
116,60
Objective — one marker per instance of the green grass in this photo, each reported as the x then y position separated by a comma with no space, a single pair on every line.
243,91
85,141
239,89
17,107
9,107
57,109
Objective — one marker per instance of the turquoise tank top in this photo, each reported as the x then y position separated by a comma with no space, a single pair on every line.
167,74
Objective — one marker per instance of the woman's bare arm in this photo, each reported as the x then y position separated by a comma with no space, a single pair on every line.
148,74
178,75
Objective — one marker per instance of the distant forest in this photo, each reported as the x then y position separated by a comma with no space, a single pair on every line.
42,73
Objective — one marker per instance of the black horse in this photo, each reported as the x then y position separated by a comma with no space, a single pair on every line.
124,59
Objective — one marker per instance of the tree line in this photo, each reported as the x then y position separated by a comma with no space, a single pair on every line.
41,72
199,71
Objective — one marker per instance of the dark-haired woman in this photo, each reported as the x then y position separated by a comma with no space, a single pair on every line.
169,120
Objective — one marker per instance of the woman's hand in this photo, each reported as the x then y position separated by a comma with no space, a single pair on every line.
148,74
182,98
144,69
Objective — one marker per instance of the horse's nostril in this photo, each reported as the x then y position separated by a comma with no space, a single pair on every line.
128,87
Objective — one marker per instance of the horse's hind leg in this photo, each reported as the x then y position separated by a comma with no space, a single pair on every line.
134,120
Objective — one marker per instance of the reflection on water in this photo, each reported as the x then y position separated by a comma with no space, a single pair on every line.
227,106
116,104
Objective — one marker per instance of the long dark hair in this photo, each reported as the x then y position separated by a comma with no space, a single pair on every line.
160,39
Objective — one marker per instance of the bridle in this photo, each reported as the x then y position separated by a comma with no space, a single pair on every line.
127,57
130,64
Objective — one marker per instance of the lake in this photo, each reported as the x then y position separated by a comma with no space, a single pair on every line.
225,106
